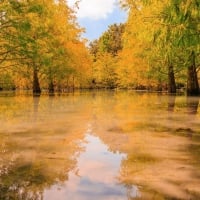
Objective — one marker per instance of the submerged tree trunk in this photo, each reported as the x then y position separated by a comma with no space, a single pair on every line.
192,80
36,84
171,80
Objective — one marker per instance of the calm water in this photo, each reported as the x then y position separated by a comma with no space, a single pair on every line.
99,145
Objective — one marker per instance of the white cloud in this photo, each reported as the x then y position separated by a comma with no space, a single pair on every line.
94,9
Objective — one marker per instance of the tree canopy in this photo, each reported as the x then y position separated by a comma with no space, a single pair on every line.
39,44
156,48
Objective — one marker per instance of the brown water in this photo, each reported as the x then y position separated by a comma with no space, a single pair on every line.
99,145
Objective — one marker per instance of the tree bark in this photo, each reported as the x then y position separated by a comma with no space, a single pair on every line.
171,80
36,84
192,79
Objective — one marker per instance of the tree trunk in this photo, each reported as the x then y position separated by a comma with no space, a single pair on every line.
192,80
36,84
171,80
159,86
51,86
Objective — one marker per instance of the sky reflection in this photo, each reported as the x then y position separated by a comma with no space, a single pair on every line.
99,145
95,176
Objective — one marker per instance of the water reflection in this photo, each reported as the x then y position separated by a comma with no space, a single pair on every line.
132,139
171,103
30,164
192,105
36,101
95,176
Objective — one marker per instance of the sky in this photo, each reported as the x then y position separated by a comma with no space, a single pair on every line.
96,15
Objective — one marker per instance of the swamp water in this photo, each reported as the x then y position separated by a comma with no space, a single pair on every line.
99,145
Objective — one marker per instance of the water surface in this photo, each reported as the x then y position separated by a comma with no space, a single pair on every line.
99,145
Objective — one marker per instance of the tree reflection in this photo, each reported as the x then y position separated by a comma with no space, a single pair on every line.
36,101
171,103
150,149
35,159
28,167
192,105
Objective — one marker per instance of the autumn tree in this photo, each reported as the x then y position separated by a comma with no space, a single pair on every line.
40,40
169,35
10,21
184,16
134,68
105,52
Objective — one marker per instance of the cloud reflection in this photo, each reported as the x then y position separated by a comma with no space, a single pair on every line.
97,175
